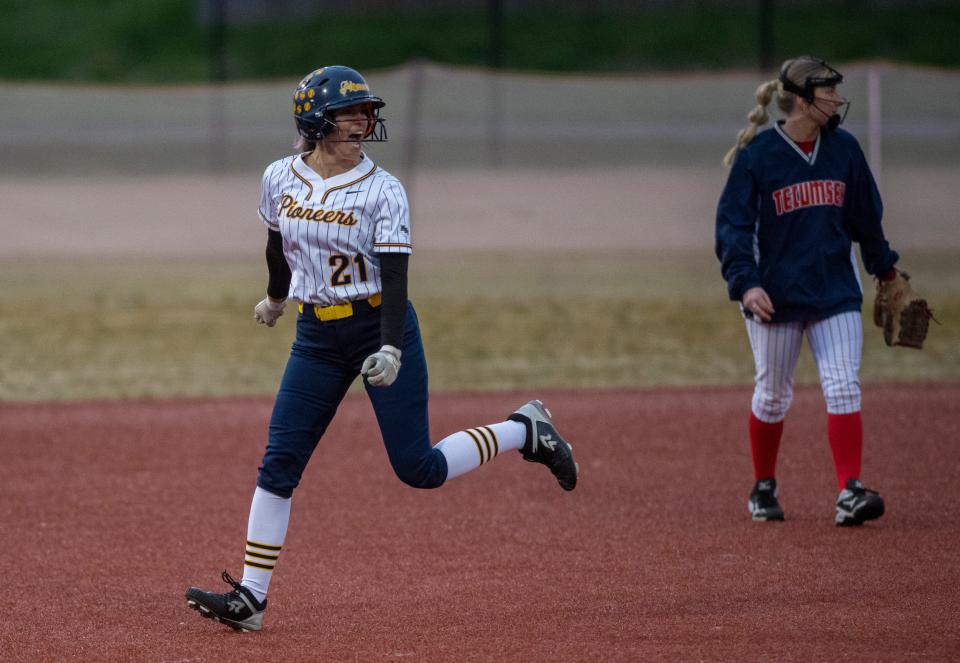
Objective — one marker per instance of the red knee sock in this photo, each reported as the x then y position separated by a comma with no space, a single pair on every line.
764,444
846,441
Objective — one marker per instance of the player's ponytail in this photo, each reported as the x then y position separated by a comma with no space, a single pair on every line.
757,118
797,70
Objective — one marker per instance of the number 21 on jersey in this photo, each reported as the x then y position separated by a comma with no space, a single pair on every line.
341,275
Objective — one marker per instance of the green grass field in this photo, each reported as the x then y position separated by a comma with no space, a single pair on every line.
138,41
79,329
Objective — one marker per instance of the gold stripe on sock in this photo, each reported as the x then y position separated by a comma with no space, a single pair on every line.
486,442
250,553
258,566
476,441
264,546
496,443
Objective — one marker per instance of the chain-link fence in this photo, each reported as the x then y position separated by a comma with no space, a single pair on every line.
489,158
444,117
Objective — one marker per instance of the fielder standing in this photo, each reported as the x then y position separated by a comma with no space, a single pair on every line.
798,195
338,229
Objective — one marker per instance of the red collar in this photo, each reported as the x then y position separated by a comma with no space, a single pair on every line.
807,146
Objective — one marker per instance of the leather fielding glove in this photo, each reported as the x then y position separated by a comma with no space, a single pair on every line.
903,315
267,311
381,368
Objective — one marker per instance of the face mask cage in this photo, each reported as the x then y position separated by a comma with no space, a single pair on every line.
839,116
325,128
376,131
807,90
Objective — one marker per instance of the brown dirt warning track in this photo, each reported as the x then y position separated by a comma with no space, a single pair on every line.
110,510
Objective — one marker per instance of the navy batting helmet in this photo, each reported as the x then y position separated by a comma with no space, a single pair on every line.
329,89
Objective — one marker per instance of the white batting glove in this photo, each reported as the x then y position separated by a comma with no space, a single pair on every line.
267,311
382,366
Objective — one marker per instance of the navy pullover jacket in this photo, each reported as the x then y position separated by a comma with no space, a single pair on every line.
786,222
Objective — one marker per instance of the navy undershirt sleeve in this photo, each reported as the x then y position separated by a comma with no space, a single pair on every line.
278,285
393,309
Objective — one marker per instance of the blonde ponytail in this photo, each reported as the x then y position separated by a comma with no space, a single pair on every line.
757,118
798,70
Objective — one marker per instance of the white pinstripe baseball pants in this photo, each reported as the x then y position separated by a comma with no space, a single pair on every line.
837,344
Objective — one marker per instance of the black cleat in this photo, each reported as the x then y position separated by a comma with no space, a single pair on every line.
763,502
544,445
238,609
856,505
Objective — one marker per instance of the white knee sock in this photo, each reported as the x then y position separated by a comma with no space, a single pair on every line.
467,450
266,529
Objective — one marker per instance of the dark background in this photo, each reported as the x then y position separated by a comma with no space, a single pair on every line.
157,41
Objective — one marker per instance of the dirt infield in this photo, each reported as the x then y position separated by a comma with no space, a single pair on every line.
662,208
111,510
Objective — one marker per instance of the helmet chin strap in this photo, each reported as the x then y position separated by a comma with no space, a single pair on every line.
833,120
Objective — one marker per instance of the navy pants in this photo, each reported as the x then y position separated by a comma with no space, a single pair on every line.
324,361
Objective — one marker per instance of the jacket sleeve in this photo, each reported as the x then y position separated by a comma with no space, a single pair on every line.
737,214
864,212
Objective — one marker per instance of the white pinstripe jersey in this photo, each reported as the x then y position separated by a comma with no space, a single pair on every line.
334,230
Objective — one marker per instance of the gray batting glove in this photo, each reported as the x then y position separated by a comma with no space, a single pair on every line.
267,311
382,366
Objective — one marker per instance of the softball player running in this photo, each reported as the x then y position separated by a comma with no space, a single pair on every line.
338,242
797,197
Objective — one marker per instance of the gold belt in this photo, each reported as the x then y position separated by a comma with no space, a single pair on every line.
339,311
